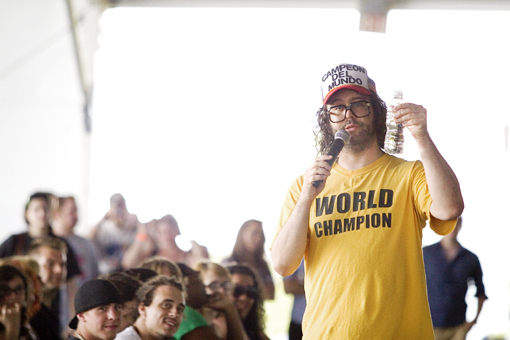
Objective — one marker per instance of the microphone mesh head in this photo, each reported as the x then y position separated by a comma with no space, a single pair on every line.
342,134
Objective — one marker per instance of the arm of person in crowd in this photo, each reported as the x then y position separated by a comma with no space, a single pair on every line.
293,287
268,293
235,326
289,245
481,300
140,250
447,202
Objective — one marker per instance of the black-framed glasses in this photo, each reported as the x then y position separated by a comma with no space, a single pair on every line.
216,285
250,291
338,113
6,290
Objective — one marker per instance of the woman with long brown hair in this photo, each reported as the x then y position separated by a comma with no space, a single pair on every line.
249,249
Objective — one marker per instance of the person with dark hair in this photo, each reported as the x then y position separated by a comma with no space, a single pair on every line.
30,268
13,305
141,274
98,309
127,286
249,249
450,269
248,299
161,310
357,219
38,216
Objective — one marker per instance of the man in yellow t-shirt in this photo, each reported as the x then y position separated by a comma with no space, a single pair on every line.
360,225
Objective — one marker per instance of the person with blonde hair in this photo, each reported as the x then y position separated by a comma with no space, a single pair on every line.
162,266
218,285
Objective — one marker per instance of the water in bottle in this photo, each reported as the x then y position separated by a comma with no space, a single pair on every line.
394,141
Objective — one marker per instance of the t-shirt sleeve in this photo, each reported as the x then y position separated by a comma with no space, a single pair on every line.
422,201
288,204
192,320
477,277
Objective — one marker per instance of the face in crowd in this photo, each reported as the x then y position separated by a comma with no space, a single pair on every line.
216,283
245,293
129,314
12,293
101,323
37,213
67,214
163,316
253,236
53,266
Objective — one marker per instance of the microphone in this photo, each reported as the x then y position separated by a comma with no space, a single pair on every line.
340,137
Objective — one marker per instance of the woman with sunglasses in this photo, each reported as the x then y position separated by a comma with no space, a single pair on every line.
248,299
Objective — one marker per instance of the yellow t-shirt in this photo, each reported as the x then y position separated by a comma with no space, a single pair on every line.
365,277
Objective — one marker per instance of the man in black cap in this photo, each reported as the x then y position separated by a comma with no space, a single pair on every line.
98,307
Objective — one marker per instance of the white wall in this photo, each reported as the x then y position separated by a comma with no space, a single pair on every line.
42,135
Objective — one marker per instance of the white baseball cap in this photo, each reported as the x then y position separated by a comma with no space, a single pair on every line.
346,76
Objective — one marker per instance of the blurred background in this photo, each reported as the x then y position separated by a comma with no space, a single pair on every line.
205,109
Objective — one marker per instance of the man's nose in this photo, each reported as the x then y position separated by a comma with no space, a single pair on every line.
58,269
349,114
172,312
113,313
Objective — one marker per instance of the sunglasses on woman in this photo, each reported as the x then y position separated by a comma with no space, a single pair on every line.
250,291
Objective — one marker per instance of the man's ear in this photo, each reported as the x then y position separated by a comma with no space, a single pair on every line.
141,309
81,317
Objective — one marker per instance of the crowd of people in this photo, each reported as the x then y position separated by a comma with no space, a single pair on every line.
52,281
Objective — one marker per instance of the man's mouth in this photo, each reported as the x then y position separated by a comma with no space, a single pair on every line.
351,127
111,327
171,323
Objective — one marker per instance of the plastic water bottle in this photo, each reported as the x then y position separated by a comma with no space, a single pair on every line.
394,140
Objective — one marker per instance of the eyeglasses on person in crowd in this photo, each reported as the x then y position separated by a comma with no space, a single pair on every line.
338,113
216,285
6,290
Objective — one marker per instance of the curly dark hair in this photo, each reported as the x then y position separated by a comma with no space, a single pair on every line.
324,136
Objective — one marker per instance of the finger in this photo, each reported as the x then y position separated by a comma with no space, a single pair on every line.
413,122
317,168
320,171
411,115
409,109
